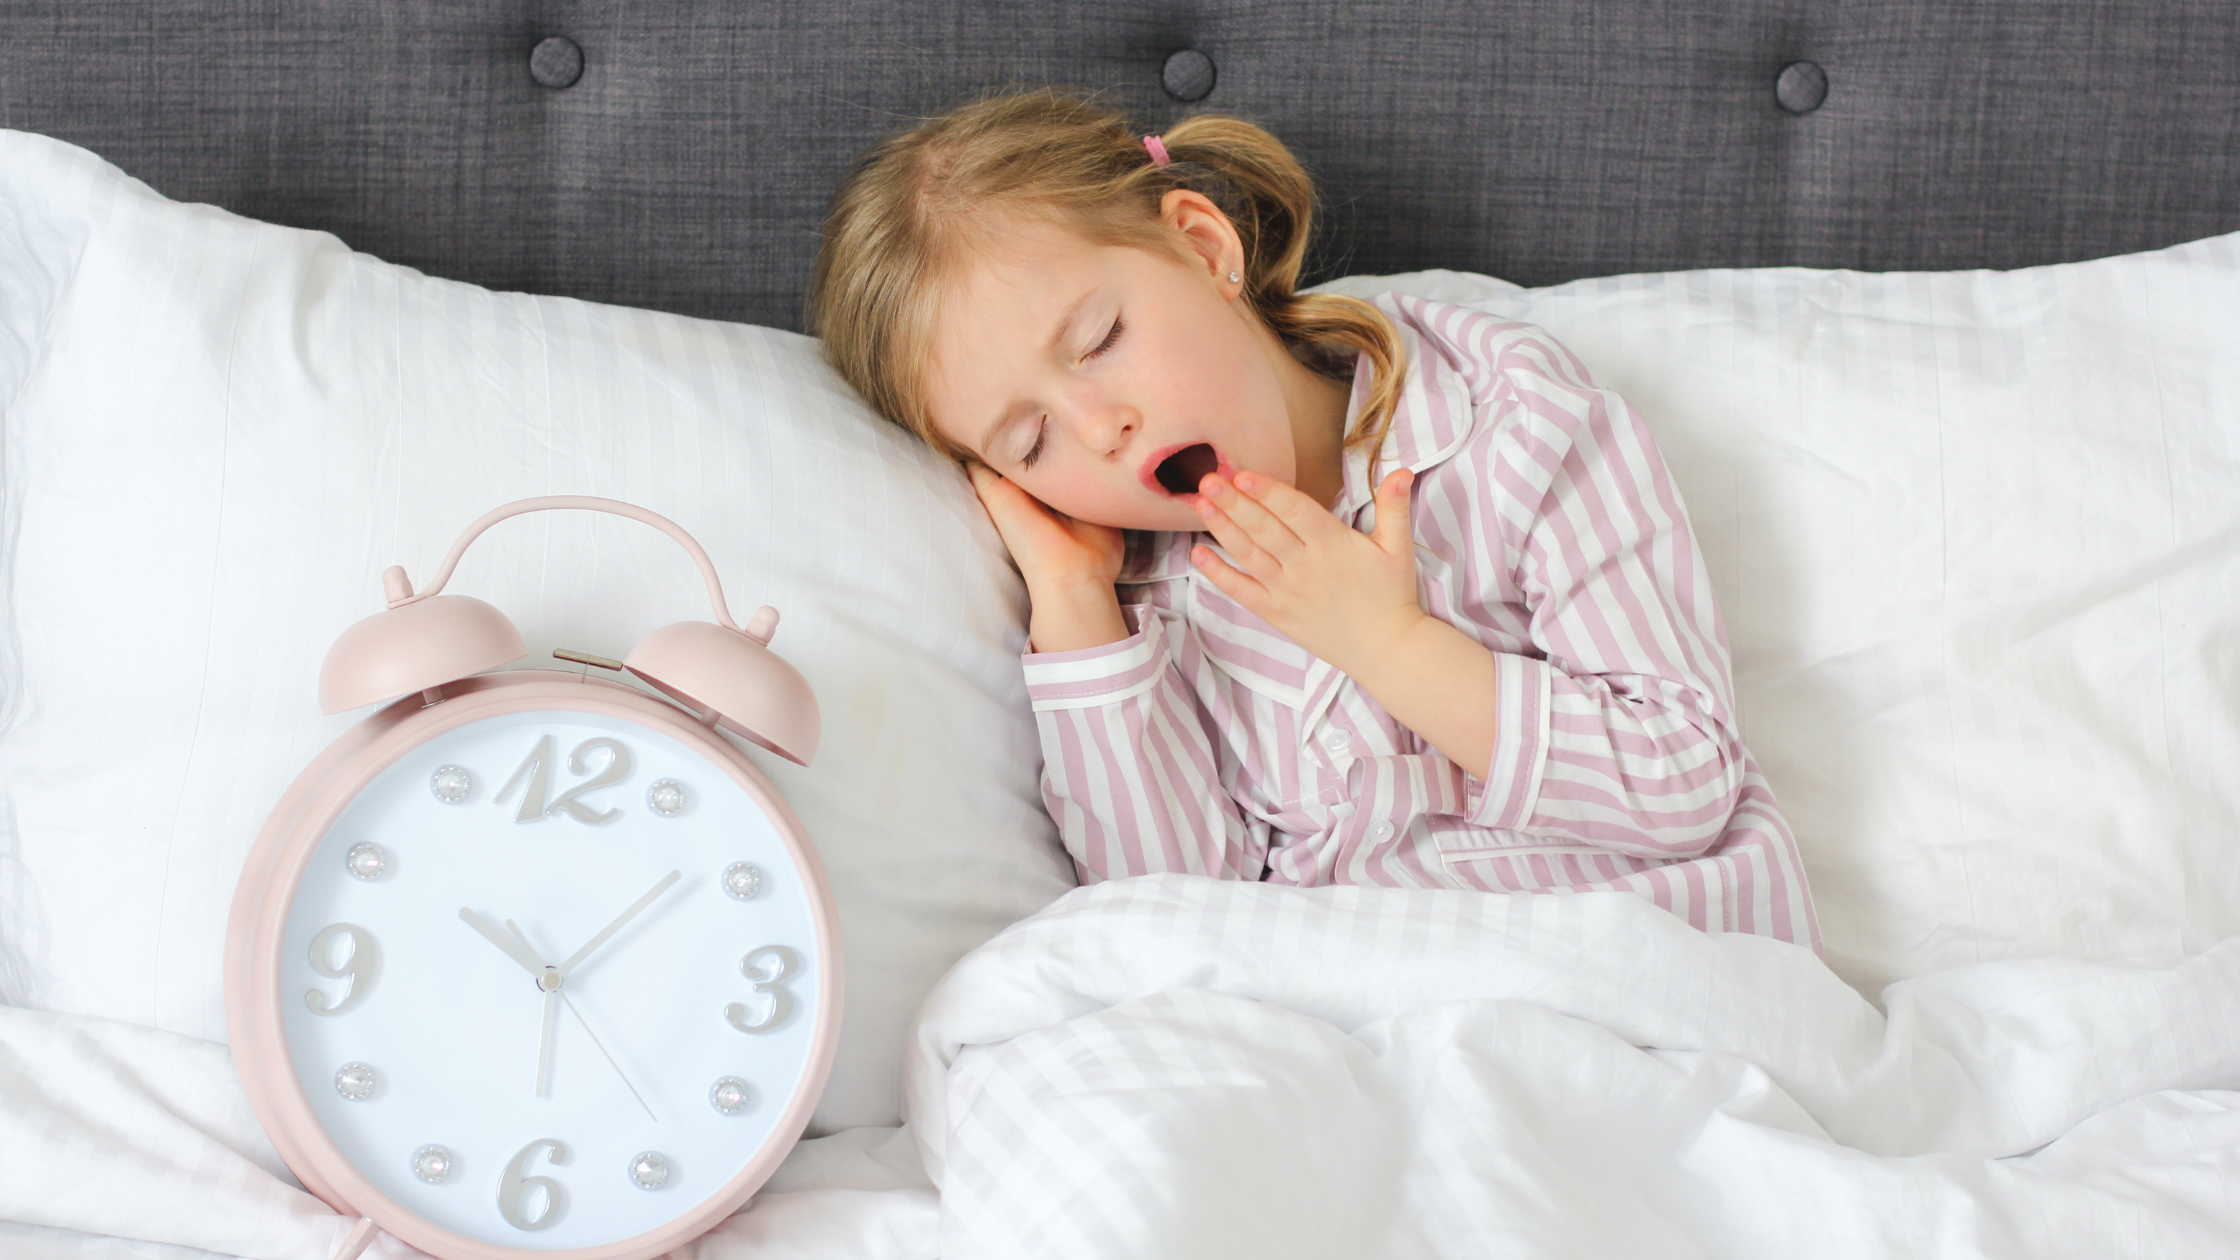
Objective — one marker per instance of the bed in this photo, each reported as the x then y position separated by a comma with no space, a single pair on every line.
1931,307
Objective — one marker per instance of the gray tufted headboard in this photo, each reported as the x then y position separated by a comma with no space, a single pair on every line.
678,154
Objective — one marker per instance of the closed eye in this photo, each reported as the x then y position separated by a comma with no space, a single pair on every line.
1042,430
1109,338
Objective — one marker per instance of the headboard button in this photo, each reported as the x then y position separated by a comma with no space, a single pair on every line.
1188,75
1801,87
556,62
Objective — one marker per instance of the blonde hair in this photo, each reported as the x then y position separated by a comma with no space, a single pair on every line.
916,204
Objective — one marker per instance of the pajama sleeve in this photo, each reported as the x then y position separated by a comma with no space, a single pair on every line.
1128,766
1618,729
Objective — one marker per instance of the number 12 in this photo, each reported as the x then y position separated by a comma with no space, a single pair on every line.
536,773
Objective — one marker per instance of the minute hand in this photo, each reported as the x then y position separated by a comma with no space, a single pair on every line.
620,921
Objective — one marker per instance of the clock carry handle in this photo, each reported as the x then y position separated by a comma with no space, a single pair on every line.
725,673
400,593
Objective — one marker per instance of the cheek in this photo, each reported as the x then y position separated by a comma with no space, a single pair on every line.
1203,374
1221,387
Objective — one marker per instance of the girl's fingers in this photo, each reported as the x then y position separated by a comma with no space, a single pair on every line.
1228,581
1247,551
1022,520
991,487
1286,506
1395,533
1252,516
1005,499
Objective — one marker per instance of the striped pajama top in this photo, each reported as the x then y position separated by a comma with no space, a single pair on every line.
1547,529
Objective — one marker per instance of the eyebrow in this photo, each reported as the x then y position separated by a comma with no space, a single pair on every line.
1057,334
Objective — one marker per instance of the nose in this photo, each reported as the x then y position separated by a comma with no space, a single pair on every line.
1109,430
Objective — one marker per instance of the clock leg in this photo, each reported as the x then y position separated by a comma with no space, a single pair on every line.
356,1241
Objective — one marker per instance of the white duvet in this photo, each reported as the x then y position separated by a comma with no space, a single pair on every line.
1180,1067
1176,1067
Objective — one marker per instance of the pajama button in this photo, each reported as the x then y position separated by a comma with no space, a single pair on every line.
1384,831
1336,741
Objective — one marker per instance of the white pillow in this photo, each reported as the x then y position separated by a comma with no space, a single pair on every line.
1976,539
217,434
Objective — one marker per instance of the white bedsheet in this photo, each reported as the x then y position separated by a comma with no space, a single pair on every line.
1179,1067
122,1142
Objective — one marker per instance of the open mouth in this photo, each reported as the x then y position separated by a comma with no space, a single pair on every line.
1181,472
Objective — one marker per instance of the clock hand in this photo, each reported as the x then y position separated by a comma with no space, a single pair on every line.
610,1058
549,981
616,926
520,953
544,1047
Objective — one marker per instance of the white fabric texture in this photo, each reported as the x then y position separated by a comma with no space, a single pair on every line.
1975,537
120,1142
218,433
1182,1067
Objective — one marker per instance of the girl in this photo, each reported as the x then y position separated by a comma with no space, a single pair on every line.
1497,667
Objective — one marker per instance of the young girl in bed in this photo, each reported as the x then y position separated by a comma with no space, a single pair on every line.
1324,590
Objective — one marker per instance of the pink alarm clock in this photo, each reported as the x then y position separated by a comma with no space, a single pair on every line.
533,962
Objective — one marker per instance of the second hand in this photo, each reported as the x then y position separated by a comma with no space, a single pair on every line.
571,1005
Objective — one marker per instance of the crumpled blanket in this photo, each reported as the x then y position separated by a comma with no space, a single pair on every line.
1175,1066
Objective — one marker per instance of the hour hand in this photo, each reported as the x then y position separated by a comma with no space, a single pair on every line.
514,949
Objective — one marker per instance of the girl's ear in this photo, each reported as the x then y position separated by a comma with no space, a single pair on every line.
1212,237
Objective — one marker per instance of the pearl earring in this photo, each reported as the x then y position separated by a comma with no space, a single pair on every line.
1234,277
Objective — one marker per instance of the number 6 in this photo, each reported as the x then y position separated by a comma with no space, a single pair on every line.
781,1002
513,1188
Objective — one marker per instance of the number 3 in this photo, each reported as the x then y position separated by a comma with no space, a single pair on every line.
781,1001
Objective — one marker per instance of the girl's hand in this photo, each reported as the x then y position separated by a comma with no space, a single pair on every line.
1346,596
1055,552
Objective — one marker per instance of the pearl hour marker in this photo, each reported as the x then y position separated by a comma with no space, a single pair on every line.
650,1169
451,784
431,1164
354,1081
742,880
666,798
366,861
728,1095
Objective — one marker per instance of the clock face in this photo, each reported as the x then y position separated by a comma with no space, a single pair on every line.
550,980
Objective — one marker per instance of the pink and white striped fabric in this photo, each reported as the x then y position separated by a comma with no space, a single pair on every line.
1546,528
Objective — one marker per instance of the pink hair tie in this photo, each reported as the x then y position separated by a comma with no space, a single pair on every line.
1158,149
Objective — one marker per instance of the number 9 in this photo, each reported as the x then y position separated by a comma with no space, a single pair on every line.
358,968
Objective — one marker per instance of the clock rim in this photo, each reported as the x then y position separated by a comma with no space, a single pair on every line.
283,852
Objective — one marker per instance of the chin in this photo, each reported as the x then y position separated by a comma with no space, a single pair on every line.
1177,519
1171,516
